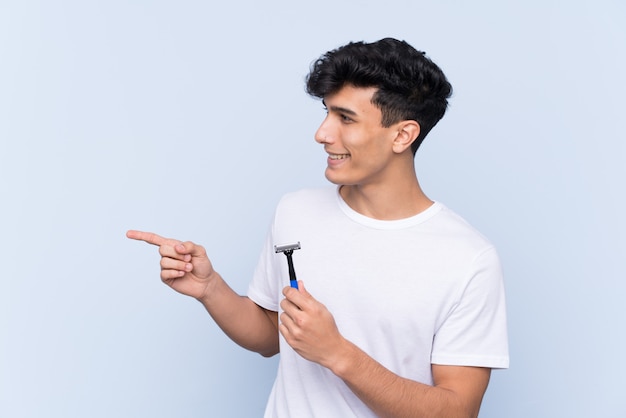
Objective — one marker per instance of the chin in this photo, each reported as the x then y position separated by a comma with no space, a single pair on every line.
333,179
338,181
336,177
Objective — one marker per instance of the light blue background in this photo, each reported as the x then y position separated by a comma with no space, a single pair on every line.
189,118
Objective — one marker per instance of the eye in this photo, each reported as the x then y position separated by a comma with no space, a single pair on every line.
345,118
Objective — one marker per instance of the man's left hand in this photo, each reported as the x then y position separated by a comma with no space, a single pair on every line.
309,328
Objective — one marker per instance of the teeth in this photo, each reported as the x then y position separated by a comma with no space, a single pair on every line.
338,156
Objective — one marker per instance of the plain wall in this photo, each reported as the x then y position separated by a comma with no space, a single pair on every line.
189,118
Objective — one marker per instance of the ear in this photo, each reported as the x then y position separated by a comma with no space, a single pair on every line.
408,131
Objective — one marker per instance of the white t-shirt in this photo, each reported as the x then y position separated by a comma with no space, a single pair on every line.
410,293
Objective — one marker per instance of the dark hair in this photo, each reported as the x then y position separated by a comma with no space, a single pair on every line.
410,86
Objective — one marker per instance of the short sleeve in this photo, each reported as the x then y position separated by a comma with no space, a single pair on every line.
475,331
264,288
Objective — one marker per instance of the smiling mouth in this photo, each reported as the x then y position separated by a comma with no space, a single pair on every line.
338,156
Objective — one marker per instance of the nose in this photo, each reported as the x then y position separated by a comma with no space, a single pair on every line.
323,134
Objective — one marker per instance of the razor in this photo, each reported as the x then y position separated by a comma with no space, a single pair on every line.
288,250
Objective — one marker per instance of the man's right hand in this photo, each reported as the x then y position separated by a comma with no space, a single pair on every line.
185,266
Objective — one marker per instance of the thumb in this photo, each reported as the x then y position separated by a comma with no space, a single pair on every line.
302,289
190,248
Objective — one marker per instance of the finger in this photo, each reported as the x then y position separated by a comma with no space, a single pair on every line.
169,276
178,265
288,307
284,330
190,248
291,328
149,237
286,323
302,289
174,253
290,295
299,296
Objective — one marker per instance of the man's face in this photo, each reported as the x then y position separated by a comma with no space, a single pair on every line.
359,148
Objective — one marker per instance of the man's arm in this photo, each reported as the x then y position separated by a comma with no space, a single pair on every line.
457,391
186,268
310,329
246,323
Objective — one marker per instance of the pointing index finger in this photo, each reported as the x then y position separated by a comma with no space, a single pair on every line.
149,237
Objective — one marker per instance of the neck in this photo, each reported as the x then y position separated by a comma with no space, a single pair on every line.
388,201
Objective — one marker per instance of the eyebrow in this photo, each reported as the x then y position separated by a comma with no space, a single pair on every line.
339,109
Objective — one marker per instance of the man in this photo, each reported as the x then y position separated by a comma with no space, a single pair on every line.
400,310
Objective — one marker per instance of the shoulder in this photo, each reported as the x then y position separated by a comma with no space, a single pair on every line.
453,226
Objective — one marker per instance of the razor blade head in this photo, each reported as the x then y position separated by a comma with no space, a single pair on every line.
287,247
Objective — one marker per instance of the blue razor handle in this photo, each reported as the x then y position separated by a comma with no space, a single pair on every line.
292,272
